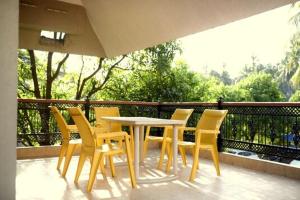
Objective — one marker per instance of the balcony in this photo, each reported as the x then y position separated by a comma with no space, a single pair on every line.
39,179
259,158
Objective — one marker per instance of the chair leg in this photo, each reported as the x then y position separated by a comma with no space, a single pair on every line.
69,154
102,168
168,149
129,161
146,142
62,153
215,156
170,158
112,166
131,139
183,155
132,142
93,171
193,153
195,163
82,158
162,154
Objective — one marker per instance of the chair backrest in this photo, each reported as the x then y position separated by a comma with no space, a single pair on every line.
180,114
84,127
62,125
107,112
211,119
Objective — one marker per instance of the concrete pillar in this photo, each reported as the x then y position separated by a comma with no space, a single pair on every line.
9,17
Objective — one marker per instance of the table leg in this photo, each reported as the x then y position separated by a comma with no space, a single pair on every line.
175,149
136,151
141,143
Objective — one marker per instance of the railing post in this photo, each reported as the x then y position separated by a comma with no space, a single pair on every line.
159,110
219,139
220,102
159,131
87,106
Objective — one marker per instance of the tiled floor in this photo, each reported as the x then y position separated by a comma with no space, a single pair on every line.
39,179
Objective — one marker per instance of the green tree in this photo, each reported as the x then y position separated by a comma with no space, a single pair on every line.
262,87
224,76
236,94
291,61
151,78
35,79
290,71
180,85
256,67
91,81
149,86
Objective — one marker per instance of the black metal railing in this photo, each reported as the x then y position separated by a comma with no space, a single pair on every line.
264,128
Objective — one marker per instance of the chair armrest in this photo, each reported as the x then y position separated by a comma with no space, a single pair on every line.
189,128
111,135
72,128
208,131
167,126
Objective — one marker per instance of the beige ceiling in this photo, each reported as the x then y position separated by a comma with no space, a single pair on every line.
108,28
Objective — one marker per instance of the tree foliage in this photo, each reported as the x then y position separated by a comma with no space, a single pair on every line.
224,76
260,87
295,97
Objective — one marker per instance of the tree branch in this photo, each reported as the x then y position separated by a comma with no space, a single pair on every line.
97,70
37,92
49,78
25,87
78,96
60,64
96,89
79,80
118,62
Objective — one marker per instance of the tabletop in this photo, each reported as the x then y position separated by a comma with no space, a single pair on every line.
144,121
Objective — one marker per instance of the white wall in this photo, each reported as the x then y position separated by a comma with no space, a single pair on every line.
9,14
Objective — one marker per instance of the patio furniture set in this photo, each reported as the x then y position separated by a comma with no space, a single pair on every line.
107,139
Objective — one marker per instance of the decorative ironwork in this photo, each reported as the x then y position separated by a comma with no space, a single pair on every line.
234,128
296,133
263,128
263,149
272,133
251,130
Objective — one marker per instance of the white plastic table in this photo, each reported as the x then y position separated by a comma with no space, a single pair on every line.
138,123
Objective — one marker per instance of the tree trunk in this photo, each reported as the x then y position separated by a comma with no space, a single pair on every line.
43,110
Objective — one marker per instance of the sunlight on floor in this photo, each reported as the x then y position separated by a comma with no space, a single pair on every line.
39,179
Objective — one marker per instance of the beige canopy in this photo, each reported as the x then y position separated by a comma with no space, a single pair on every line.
107,28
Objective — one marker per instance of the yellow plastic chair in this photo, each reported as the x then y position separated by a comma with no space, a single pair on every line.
68,145
97,152
179,114
111,126
206,132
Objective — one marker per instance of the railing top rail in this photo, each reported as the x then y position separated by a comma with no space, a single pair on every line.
50,101
264,104
142,103
47,101
188,104
137,103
